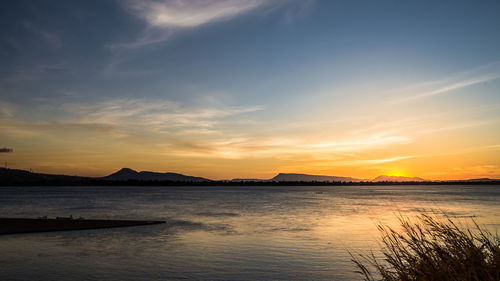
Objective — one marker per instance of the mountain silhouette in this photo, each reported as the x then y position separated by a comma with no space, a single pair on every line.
306,177
396,179
129,174
248,180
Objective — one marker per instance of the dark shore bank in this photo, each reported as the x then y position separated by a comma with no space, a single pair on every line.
27,225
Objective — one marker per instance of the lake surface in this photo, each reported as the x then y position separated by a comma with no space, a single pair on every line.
222,233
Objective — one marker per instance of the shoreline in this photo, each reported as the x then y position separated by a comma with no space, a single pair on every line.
92,182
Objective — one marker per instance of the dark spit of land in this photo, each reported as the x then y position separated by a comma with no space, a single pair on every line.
27,225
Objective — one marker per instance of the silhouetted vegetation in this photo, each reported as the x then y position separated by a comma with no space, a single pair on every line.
432,249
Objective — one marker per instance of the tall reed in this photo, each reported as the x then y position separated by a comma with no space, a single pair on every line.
429,248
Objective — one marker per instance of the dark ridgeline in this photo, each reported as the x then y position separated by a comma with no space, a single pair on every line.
21,177
129,177
304,177
14,177
397,178
129,174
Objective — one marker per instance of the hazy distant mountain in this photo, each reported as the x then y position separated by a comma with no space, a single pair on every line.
396,179
22,177
248,180
305,177
129,174
482,180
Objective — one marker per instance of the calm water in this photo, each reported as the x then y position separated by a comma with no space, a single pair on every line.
230,233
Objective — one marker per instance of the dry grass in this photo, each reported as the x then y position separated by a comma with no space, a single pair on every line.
433,249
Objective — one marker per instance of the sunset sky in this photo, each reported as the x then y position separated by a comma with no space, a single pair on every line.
251,88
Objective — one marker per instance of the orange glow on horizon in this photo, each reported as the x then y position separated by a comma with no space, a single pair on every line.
397,174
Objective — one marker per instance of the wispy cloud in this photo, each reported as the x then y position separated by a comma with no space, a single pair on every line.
191,13
50,37
155,114
165,18
154,120
457,81
459,125
366,162
384,160
454,86
488,171
6,110
459,119
255,146
31,129
373,140
484,148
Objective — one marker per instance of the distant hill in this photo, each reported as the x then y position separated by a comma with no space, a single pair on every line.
129,174
22,177
14,177
397,179
248,180
306,177
482,180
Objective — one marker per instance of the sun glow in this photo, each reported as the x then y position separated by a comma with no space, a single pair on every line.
397,174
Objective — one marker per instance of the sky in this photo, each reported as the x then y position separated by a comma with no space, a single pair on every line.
251,88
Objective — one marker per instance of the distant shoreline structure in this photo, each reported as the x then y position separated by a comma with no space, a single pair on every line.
129,177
